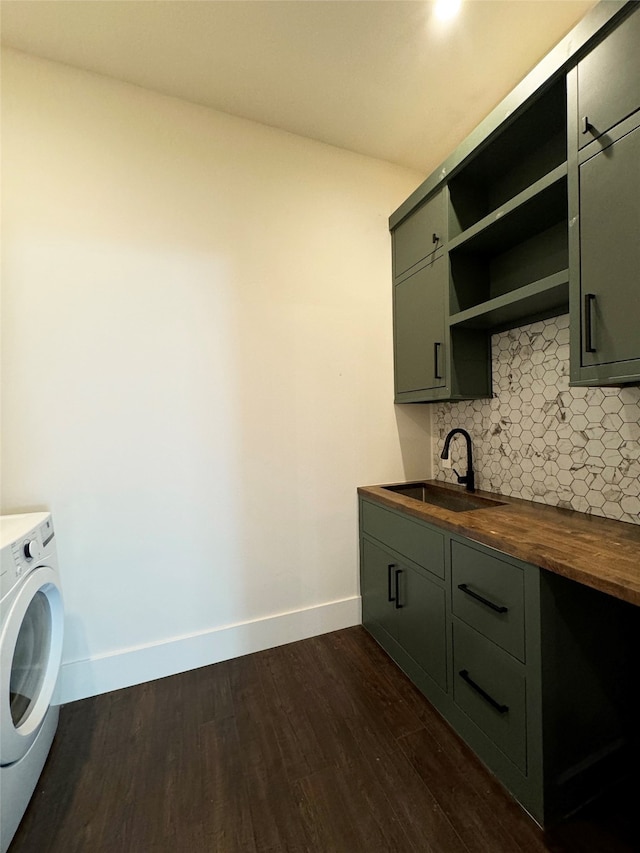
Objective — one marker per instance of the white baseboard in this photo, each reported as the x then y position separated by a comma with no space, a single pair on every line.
123,668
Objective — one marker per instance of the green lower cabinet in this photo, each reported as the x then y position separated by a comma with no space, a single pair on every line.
418,543
421,623
534,671
376,579
489,686
404,606
488,594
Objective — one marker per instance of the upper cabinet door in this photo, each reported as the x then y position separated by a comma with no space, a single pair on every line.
420,235
419,328
610,254
609,81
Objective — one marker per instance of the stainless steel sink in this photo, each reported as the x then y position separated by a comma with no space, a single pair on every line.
443,497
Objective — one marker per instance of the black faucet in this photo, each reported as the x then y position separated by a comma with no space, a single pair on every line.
469,479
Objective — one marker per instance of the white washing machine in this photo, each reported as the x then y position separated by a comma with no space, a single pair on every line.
31,627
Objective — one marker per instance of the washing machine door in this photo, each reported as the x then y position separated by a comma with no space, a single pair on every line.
30,652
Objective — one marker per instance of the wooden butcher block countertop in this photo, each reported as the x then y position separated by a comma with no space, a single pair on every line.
593,551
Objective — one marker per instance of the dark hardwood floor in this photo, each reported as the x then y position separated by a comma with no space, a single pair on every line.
321,745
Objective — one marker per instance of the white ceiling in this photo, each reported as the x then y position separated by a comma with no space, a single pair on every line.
381,78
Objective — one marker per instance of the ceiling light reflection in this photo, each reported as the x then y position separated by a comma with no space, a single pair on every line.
445,10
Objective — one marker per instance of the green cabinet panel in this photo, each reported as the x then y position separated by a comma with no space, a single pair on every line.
589,645
489,686
610,254
524,222
505,261
421,623
609,81
419,329
377,585
414,540
546,700
402,605
420,235
488,594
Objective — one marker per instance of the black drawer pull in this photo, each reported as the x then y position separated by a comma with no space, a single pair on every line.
586,124
398,605
502,709
589,299
390,595
499,608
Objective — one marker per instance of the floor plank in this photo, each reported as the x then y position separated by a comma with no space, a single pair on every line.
314,747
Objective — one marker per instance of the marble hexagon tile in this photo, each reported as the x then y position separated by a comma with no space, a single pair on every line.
539,439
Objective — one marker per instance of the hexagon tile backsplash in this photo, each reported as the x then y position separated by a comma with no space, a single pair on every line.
539,439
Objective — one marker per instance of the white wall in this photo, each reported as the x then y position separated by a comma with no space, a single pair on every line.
197,368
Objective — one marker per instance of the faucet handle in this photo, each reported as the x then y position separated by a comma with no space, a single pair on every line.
461,479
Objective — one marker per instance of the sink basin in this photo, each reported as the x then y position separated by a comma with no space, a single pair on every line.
442,497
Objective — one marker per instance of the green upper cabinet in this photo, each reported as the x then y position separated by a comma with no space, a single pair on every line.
535,214
431,361
604,179
419,330
609,81
419,236
610,258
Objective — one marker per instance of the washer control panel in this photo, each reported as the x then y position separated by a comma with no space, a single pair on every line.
24,552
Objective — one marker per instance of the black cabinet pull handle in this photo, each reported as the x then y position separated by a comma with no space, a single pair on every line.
586,125
398,572
464,675
436,360
499,608
589,299
435,239
390,594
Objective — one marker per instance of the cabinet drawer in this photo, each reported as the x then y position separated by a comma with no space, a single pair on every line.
490,687
488,594
418,543
419,235
609,80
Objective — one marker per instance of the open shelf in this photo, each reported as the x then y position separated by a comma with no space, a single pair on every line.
545,298
532,210
486,268
532,146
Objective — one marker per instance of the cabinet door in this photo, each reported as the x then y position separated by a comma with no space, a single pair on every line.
419,235
377,587
609,80
610,253
421,623
419,329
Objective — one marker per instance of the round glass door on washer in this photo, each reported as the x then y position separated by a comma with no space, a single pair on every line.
30,658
